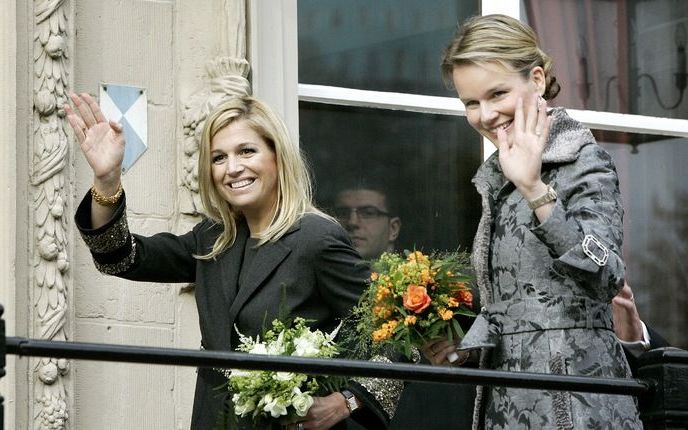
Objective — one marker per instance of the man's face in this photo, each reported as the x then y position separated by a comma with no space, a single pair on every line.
364,215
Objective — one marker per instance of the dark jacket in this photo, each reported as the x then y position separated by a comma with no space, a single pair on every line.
656,341
312,272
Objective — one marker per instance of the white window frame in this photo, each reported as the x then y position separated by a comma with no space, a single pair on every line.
277,79
272,52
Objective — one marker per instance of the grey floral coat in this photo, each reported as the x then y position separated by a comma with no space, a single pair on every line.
547,287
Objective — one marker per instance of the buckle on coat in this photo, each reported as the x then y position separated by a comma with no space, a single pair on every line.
594,249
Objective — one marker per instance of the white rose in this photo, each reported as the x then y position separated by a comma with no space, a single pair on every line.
306,345
301,402
244,408
283,376
258,348
276,407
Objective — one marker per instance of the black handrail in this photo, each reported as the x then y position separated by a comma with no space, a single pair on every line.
408,372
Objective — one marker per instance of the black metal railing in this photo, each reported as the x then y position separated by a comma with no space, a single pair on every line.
662,387
322,366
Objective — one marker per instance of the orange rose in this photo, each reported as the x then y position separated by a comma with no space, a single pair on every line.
416,298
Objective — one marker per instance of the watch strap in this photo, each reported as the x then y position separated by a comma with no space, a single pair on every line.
548,197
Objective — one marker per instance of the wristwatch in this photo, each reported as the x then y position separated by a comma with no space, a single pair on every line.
351,401
549,196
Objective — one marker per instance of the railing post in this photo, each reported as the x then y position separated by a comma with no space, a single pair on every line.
2,365
667,406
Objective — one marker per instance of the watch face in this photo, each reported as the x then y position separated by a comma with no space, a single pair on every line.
353,404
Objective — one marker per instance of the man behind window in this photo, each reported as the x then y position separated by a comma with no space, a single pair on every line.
371,220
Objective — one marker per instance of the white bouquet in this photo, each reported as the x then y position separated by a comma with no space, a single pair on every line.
264,394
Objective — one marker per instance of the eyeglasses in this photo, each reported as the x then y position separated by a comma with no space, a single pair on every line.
363,212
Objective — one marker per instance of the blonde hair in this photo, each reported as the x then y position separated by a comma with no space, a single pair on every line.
500,39
294,190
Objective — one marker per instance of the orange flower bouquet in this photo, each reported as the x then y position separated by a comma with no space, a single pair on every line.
414,299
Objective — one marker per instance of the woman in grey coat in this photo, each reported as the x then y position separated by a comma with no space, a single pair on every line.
547,252
264,251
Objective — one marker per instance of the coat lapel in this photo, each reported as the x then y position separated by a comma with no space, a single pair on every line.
267,259
231,261
488,180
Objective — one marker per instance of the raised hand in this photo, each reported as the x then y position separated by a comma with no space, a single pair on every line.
520,155
101,141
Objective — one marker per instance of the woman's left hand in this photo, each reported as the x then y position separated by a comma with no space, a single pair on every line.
520,155
324,413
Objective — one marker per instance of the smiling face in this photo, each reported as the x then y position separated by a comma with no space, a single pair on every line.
491,92
244,171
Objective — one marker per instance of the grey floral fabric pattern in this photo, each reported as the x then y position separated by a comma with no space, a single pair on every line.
547,287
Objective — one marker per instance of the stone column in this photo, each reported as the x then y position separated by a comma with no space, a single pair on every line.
8,185
48,189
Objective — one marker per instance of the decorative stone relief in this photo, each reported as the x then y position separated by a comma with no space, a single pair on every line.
50,258
226,77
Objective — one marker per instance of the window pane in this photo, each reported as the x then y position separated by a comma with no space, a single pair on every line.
655,194
424,162
383,45
626,56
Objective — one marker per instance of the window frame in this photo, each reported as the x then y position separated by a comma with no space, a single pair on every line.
274,57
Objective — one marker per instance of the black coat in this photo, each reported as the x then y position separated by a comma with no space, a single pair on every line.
312,272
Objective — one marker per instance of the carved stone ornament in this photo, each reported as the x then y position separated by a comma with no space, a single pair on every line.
50,250
226,77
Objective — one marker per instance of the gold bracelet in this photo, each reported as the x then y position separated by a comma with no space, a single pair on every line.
107,200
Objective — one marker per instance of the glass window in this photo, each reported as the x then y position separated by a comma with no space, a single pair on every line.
424,163
381,45
625,56
655,196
